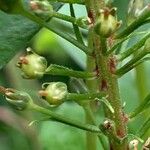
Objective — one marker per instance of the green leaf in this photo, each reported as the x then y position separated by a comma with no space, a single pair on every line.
15,34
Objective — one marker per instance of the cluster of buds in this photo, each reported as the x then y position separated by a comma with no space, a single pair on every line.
41,8
107,22
54,93
32,65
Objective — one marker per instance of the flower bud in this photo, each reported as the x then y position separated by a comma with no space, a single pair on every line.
42,9
11,6
107,22
54,93
18,99
32,65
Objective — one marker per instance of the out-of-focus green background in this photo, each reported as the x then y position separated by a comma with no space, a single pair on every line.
15,132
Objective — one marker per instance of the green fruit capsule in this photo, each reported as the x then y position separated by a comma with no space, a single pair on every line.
17,99
54,93
107,22
42,9
11,6
32,65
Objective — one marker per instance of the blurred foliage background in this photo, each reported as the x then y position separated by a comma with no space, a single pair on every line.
15,132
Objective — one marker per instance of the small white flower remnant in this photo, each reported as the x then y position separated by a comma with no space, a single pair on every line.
147,144
134,144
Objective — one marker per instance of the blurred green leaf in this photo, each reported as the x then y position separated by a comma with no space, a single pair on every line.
15,34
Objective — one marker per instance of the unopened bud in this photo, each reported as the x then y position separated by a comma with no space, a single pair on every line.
18,99
42,9
32,65
54,93
107,22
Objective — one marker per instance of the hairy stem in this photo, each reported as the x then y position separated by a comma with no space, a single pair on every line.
108,83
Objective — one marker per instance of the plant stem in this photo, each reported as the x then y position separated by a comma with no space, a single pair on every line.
141,81
65,17
65,120
90,96
69,1
107,80
90,116
116,45
141,107
56,31
75,26
63,71
91,143
71,19
85,96
139,73
109,83
144,128
134,48
128,65
90,138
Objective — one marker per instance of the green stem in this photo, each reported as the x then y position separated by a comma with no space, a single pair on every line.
134,48
90,116
111,50
63,71
65,17
90,138
90,96
75,26
71,19
104,45
65,120
141,79
133,26
106,80
141,83
91,143
141,107
85,96
109,83
144,128
69,1
128,65
56,31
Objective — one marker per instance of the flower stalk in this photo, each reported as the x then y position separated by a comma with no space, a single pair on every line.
64,71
